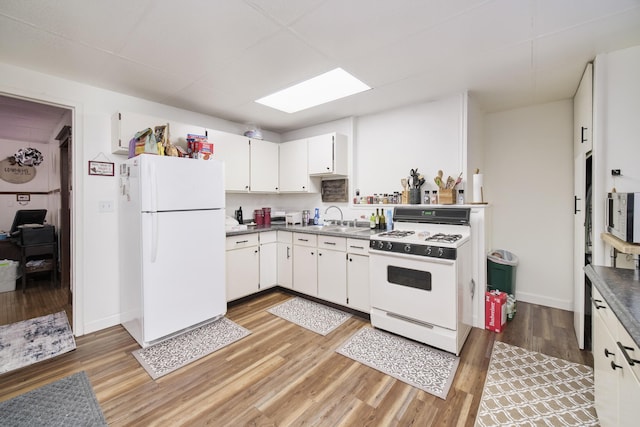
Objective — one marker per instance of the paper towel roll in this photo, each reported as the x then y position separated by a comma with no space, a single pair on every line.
477,188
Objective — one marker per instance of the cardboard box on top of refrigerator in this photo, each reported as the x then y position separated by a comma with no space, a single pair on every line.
199,147
495,310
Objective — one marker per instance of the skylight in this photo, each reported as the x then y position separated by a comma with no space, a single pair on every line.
327,87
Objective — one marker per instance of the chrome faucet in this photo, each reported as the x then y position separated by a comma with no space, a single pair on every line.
339,210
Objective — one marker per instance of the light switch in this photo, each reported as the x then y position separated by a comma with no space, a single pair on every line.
105,206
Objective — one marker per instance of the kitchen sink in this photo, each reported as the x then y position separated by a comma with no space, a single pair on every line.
341,229
335,229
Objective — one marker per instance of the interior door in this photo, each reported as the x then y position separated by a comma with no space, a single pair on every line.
64,234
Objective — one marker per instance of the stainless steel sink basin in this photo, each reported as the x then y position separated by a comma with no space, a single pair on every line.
334,229
341,229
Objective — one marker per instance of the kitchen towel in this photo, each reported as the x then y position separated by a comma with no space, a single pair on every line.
477,188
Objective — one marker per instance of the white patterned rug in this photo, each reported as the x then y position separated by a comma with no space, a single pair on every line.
310,315
417,364
174,353
30,341
529,388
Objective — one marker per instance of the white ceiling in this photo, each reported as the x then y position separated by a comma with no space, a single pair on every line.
217,56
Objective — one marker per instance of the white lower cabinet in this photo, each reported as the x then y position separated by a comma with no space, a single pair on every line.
617,386
305,264
332,269
358,295
243,266
285,259
268,260
335,269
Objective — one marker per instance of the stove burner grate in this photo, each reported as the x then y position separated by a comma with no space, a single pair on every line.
445,238
396,233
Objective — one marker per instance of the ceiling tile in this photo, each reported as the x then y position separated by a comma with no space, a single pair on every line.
270,65
193,37
30,47
285,12
81,20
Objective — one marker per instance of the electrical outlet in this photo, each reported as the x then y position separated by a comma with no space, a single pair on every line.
105,206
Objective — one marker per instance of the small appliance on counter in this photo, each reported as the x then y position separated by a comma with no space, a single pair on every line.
623,216
278,217
293,218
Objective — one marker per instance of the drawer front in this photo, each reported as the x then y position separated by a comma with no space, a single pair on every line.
285,237
332,242
241,241
358,246
601,308
268,237
302,239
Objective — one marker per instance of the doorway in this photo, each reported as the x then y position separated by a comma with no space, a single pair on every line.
34,123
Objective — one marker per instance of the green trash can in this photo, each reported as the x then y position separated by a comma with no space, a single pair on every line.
501,271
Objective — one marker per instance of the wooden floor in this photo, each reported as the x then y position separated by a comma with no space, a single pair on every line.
280,375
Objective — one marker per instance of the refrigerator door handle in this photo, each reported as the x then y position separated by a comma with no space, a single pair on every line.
153,187
154,236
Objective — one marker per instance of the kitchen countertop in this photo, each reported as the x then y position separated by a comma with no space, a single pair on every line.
362,235
621,290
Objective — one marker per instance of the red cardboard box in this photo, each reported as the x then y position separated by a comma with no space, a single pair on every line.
495,310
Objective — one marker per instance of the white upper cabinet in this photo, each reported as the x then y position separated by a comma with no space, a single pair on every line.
233,150
125,125
264,166
294,171
328,154
583,113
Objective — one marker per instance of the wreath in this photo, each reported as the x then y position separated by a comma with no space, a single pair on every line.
28,157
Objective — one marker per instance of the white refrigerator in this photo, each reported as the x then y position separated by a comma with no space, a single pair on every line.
172,245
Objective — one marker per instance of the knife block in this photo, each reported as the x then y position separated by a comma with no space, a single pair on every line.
447,196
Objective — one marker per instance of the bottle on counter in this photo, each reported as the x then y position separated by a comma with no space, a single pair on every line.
383,220
427,198
461,197
316,217
434,197
372,221
239,216
377,219
389,220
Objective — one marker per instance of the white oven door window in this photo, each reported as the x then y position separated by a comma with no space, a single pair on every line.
419,288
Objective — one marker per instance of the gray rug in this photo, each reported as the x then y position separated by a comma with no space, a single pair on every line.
529,388
417,364
66,402
30,341
174,353
310,315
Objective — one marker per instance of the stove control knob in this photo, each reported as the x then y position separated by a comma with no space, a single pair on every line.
389,246
380,245
407,248
440,251
372,243
429,249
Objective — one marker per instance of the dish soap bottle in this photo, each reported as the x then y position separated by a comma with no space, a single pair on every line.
239,215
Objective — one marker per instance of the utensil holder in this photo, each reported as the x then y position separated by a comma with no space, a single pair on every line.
447,196
414,196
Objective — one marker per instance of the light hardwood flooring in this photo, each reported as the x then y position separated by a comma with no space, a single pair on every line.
280,375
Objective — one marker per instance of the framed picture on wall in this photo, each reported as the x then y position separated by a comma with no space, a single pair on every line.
101,168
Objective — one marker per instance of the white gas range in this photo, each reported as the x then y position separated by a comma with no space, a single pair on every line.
420,273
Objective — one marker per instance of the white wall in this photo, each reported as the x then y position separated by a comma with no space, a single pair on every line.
529,183
616,141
